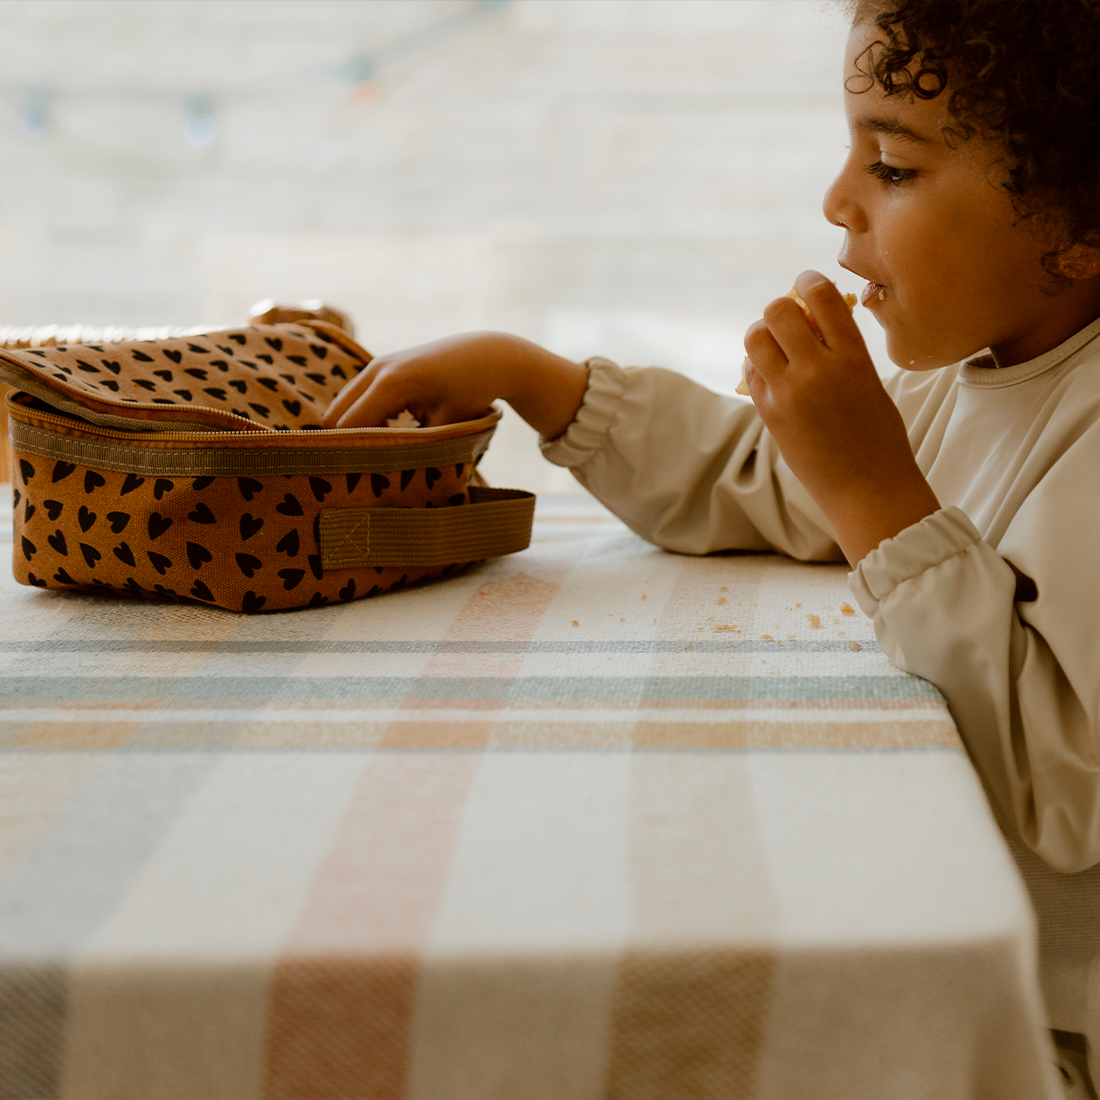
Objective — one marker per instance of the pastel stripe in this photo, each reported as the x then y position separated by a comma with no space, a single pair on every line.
691,1010
519,971
34,789
512,607
168,995
342,991
903,892
61,889
494,690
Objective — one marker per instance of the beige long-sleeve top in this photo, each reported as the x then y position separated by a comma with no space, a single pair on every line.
995,598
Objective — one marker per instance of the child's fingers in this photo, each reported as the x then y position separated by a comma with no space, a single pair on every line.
790,329
381,398
348,396
766,357
826,303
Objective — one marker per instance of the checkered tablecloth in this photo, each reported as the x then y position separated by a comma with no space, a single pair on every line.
593,821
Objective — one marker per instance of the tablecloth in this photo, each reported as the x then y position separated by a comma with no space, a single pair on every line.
591,821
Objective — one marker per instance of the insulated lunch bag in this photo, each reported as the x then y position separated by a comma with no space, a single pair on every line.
195,468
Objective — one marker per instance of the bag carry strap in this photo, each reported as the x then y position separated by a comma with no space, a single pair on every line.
495,522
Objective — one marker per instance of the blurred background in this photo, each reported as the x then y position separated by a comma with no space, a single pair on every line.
630,178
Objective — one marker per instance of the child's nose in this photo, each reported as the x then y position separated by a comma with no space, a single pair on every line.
840,204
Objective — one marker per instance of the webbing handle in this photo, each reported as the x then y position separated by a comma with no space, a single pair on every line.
495,522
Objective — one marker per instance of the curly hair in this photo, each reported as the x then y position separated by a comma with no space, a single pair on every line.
1022,73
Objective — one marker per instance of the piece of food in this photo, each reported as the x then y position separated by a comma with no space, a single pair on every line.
849,301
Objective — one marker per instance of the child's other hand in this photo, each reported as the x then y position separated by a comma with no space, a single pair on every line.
458,378
833,421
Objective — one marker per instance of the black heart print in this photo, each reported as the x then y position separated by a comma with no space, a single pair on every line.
250,525
201,592
198,555
248,564
160,563
158,524
291,578
288,544
252,603
249,487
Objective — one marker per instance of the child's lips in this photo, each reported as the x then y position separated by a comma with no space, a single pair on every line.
871,293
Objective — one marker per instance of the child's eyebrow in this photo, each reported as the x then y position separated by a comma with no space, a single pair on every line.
890,126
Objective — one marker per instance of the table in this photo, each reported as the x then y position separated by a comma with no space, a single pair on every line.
592,821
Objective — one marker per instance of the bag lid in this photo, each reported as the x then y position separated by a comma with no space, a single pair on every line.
263,378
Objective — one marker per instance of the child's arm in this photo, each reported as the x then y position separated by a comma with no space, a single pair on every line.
684,468
1004,624
833,421
458,378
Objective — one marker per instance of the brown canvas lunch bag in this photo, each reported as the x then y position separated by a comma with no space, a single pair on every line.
195,468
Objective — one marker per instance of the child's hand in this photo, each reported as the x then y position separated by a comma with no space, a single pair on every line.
835,424
458,378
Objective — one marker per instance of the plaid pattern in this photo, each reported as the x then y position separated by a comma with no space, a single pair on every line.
590,821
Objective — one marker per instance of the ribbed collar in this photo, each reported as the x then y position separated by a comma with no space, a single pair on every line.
980,370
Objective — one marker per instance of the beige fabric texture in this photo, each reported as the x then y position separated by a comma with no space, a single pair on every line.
1013,455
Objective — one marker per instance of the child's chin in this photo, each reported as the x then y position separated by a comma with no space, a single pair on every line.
910,358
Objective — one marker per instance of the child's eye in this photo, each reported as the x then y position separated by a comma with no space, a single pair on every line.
890,175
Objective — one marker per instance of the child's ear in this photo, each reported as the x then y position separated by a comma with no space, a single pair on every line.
1078,262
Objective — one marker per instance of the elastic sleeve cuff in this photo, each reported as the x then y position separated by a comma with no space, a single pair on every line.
909,553
587,433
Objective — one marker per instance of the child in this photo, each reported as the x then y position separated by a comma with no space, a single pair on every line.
964,492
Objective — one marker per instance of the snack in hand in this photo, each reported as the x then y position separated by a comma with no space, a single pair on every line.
849,301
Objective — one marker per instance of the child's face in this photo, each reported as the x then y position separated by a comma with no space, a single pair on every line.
950,268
